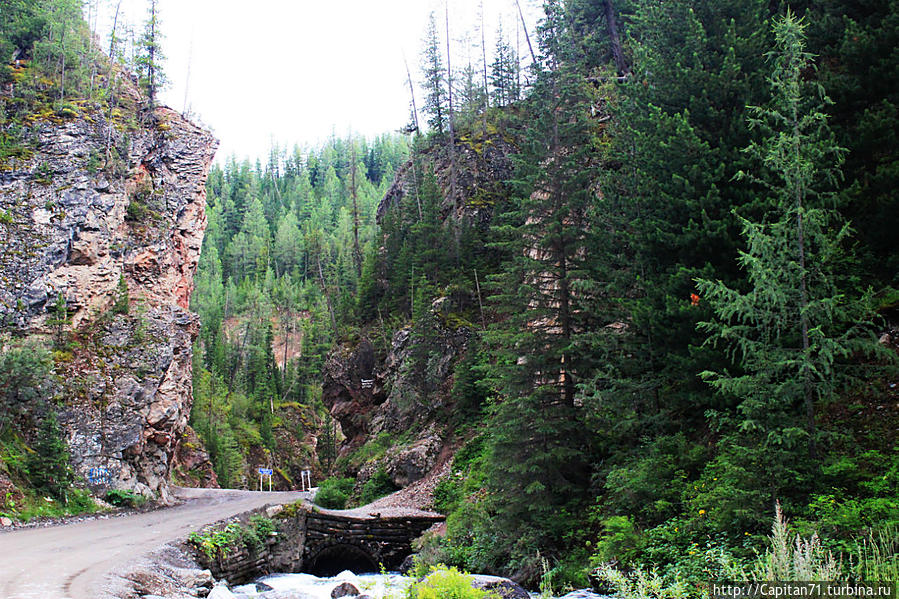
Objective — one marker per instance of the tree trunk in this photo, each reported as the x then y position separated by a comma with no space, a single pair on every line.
524,27
614,39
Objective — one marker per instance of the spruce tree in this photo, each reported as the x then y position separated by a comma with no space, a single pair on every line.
538,464
48,467
150,59
789,327
434,74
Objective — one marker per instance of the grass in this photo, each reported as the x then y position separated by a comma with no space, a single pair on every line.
37,507
789,557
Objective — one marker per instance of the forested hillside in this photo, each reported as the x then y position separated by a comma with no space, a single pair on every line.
279,274
681,302
620,288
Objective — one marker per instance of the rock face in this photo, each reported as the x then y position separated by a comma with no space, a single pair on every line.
483,162
408,394
405,404
103,214
191,466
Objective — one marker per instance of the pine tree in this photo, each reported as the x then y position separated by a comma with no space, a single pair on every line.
48,467
537,449
504,74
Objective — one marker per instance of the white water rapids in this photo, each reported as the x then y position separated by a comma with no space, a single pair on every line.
377,586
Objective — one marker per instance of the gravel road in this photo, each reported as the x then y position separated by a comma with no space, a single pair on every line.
70,561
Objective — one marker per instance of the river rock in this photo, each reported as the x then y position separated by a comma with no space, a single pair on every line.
503,587
407,565
344,589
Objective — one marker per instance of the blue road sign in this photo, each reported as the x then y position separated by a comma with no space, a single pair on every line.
265,471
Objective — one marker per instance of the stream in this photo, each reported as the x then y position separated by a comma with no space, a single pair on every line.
377,586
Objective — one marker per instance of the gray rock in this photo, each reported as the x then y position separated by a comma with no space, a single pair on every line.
128,387
503,587
344,589
407,565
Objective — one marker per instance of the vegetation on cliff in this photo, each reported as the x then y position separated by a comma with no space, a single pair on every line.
100,197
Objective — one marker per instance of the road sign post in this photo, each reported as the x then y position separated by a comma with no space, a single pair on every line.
265,472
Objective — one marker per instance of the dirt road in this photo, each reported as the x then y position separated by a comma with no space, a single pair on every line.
70,561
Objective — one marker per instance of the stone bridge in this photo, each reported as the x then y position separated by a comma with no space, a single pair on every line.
337,541
326,542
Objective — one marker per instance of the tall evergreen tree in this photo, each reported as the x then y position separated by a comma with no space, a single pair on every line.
537,450
434,78
150,59
795,320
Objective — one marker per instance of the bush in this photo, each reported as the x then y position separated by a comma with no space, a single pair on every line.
377,486
122,498
447,494
24,380
333,493
48,466
446,583
219,543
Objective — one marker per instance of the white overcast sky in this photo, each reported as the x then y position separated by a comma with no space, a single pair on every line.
294,71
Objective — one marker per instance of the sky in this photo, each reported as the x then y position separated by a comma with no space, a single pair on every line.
294,72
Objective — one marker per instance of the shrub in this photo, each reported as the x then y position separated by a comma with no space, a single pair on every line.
790,557
122,498
447,494
641,584
220,542
446,583
333,493
377,486
48,466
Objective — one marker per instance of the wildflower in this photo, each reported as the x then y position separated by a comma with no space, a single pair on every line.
701,512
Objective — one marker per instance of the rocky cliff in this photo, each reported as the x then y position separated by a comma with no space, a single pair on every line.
400,419
101,232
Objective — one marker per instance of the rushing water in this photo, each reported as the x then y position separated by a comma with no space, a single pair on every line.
378,586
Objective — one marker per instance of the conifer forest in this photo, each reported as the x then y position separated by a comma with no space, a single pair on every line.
624,287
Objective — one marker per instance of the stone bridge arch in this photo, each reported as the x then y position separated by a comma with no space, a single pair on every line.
334,537
325,542
333,557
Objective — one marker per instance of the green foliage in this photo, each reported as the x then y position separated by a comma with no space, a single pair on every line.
122,498
791,328
122,304
333,493
876,556
790,557
37,506
277,262
642,584
219,543
24,381
445,583
48,467
376,487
